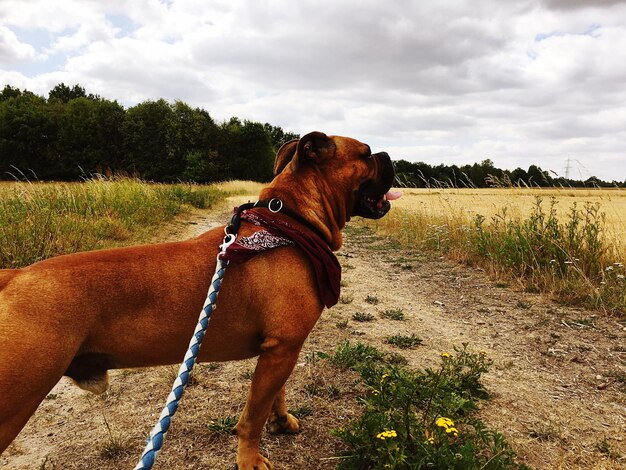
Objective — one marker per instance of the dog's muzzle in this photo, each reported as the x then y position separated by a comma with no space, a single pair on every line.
374,196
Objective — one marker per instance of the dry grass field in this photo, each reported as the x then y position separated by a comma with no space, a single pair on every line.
465,204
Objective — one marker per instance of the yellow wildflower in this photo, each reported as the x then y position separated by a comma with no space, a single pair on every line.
446,355
448,425
444,422
382,379
386,434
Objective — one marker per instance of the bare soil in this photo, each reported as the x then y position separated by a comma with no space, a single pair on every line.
558,390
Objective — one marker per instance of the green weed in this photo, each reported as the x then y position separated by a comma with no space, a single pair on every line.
348,356
223,425
363,317
393,314
403,341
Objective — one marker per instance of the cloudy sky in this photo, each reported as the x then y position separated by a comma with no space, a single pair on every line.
440,81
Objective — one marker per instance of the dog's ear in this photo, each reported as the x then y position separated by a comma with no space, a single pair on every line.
285,155
315,147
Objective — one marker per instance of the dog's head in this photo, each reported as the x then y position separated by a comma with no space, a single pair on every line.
346,167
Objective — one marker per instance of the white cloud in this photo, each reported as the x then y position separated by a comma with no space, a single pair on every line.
12,50
440,81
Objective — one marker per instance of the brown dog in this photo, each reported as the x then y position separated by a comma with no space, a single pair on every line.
82,314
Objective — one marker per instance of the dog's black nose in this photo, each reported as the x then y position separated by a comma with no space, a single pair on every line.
387,172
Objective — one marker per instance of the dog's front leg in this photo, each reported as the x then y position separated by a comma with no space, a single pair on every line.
272,370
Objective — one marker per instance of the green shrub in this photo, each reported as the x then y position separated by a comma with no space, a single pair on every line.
568,258
423,419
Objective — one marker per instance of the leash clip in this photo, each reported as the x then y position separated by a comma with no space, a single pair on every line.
229,239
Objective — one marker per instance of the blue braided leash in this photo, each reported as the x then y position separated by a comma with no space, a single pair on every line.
155,441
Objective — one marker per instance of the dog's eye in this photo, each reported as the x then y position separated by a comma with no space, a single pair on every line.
368,153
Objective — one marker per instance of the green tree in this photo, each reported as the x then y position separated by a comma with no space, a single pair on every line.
519,177
150,144
64,93
245,151
196,140
27,135
538,177
89,138
9,92
278,136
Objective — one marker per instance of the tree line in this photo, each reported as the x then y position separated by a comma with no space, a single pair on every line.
485,174
73,134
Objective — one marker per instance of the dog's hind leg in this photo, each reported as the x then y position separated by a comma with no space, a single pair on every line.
24,383
12,424
32,361
280,420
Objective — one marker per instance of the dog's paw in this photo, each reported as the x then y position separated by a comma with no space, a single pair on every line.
254,462
287,424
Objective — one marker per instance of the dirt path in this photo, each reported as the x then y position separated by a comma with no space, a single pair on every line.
558,383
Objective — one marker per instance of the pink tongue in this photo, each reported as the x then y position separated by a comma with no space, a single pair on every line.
393,195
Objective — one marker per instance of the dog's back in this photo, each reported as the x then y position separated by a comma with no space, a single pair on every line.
6,275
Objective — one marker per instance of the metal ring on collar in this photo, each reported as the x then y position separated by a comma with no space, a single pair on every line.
275,201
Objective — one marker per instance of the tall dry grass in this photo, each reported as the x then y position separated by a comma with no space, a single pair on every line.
40,220
572,253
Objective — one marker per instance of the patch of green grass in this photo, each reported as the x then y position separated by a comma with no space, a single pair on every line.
342,325
363,317
353,356
223,425
301,412
372,299
403,341
393,314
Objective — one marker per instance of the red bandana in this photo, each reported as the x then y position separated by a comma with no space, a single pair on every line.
278,233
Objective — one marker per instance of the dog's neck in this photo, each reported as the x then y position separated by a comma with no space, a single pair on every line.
312,203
